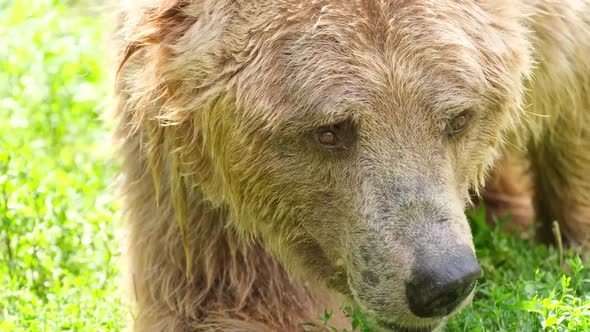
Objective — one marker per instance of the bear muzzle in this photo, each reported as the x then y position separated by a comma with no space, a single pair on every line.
439,286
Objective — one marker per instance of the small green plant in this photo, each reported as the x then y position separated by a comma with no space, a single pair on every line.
356,317
563,308
525,285
323,326
358,322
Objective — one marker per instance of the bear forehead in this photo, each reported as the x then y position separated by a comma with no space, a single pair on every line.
337,55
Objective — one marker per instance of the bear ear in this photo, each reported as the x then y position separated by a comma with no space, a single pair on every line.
158,25
175,53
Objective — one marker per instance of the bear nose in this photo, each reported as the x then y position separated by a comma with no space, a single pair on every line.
440,285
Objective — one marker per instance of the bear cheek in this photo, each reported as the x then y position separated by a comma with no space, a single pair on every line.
377,273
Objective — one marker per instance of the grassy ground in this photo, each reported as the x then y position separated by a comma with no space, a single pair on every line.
58,253
59,267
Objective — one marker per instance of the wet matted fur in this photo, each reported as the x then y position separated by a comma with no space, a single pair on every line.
238,219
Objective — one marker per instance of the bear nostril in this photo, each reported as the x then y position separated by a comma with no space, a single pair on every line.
445,300
437,290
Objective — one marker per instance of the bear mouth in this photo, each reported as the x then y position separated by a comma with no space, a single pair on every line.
383,325
393,327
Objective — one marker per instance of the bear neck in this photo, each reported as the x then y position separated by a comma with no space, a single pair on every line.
230,285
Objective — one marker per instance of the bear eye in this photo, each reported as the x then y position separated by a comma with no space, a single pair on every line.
327,136
336,137
459,122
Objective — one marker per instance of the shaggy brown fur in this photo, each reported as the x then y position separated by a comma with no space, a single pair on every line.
239,220
551,165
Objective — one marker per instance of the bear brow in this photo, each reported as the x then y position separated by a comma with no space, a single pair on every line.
322,116
460,96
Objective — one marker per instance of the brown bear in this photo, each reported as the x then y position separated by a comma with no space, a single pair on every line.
281,156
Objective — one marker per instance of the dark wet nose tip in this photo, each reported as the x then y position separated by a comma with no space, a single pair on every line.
437,290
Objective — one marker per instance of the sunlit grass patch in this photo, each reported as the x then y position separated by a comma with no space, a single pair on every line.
59,263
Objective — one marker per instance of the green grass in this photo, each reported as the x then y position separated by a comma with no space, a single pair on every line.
59,252
526,287
59,265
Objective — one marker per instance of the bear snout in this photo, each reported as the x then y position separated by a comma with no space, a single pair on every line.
440,285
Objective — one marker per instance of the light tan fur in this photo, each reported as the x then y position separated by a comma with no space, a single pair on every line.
547,175
238,220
